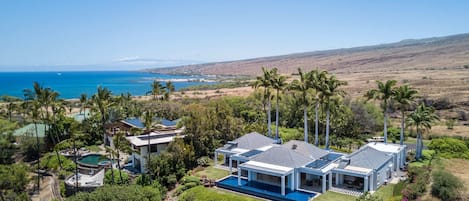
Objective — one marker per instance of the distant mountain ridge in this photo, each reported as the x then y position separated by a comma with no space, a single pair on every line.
447,52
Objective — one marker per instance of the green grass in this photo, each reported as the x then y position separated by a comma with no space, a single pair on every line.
385,191
411,140
333,196
93,148
201,193
212,173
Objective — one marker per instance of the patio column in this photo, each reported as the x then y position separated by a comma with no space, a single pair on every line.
231,165
372,182
323,183
239,176
282,185
330,180
249,175
292,187
365,184
336,179
298,180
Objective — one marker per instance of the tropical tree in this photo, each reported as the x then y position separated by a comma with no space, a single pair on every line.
148,123
265,81
303,86
83,102
120,145
278,84
317,79
169,90
404,97
156,89
422,118
385,92
101,102
330,94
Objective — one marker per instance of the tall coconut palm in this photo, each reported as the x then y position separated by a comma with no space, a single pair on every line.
169,90
156,89
384,92
265,81
317,79
121,145
422,118
83,102
148,123
404,96
330,93
278,84
102,101
303,86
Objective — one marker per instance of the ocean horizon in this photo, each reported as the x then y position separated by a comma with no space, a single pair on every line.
71,84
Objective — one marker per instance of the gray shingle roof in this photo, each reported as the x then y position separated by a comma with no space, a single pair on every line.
253,140
368,157
282,156
305,149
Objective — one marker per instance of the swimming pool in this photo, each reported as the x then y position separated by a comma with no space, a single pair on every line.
94,159
263,190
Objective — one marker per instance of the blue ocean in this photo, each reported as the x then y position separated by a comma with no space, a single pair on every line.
72,84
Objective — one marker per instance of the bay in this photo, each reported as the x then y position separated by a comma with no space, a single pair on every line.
72,84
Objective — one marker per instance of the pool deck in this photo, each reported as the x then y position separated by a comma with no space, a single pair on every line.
262,190
87,180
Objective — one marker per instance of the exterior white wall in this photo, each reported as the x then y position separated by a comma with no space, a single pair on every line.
143,155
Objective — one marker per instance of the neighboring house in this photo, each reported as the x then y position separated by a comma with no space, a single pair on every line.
158,141
128,126
165,123
296,167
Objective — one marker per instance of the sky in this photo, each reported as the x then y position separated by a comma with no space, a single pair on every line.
113,34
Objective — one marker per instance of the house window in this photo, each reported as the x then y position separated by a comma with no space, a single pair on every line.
153,148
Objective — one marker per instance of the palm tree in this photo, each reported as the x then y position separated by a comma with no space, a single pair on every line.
404,96
265,81
303,86
317,80
156,89
384,92
422,118
148,123
121,145
83,101
102,101
330,93
278,84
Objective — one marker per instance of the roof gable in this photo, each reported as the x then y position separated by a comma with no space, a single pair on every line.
253,140
282,156
306,149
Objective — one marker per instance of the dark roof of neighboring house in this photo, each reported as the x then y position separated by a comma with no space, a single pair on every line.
250,141
305,149
134,122
282,156
369,158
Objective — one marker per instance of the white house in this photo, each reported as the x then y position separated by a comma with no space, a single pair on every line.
158,141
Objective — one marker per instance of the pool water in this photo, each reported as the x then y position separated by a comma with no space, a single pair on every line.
263,190
94,159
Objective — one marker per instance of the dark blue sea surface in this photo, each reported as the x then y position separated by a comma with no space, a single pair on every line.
72,84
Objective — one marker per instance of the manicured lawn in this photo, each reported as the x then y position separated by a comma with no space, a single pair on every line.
201,193
333,196
212,173
385,192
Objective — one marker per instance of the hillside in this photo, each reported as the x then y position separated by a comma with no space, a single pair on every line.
450,52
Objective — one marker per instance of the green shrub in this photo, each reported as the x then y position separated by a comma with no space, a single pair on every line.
51,162
449,148
369,197
117,179
203,161
446,186
62,188
190,179
418,178
120,193
201,193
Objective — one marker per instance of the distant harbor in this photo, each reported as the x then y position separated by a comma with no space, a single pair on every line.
72,84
